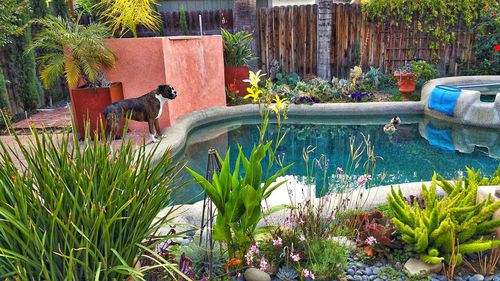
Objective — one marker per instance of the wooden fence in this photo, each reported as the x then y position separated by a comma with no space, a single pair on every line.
212,21
288,35
357,40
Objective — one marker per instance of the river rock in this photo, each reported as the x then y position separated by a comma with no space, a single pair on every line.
253,274
416,267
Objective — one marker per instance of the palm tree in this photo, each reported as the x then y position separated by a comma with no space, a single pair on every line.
73,50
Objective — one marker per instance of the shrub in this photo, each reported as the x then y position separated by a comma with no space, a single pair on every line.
4,102
328,258
487,42
125,15
237,51
69,211
452,222
86,54
182,21
424,71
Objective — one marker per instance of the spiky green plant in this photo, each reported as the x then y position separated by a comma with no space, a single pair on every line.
74,211
72,50
237,51
457,218
125,15
182,21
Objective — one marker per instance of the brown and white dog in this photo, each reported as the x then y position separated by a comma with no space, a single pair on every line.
146,108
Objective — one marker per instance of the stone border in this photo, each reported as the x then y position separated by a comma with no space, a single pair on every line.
176,135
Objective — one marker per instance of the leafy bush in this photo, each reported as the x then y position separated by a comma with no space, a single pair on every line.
70,211
328,258
487,42
283,78
238,200
85,54
237,51
452,222
423,71
4,102
125,15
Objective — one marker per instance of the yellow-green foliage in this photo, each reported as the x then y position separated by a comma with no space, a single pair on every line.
126,15
456,218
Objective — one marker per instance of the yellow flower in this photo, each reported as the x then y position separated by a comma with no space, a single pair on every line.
254,94
254,78
279,104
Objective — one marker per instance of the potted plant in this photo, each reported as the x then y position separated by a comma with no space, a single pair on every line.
79,53
406,80
236,55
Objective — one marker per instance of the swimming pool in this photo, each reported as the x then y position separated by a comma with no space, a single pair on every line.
419,147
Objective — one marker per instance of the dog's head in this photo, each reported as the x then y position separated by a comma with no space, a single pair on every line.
167,91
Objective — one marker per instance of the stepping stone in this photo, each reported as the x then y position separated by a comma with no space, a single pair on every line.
416,267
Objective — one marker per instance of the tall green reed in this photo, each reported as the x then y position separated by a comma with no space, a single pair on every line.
74,210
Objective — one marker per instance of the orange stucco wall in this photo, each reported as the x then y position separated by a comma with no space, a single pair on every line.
194,67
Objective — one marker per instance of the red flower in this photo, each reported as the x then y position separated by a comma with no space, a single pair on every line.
496,47
494,15
232,87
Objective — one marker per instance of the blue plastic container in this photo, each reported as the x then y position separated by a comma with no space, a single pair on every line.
443,99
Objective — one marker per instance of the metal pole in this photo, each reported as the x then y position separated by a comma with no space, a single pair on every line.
207,217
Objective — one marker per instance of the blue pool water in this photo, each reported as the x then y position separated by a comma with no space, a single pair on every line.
405,156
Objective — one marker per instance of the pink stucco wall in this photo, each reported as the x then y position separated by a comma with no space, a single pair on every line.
193,66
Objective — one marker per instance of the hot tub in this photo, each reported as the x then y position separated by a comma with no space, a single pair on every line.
477,105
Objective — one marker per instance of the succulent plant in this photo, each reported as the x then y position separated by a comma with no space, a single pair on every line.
286,274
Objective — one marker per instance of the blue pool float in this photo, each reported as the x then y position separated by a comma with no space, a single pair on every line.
443,99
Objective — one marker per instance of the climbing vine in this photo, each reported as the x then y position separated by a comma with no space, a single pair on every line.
436,18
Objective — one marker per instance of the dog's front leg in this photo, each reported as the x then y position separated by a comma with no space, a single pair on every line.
151,131
158,130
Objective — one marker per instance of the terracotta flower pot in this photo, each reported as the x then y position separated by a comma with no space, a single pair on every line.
406,83
234,76
88,104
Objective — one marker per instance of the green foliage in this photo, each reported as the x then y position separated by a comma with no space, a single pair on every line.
290,79
85,50
436,18
385,209
456,218
328,258
60,8
237,51
182,21
370,80
4,102
68,213
29,88
124,16
238,198
487,37
200,255
12,19
423,71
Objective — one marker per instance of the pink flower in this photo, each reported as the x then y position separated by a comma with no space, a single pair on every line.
371,240
254,249
301,221
302,238
307,273
263,264
277,242
363,179
249,258
295,257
